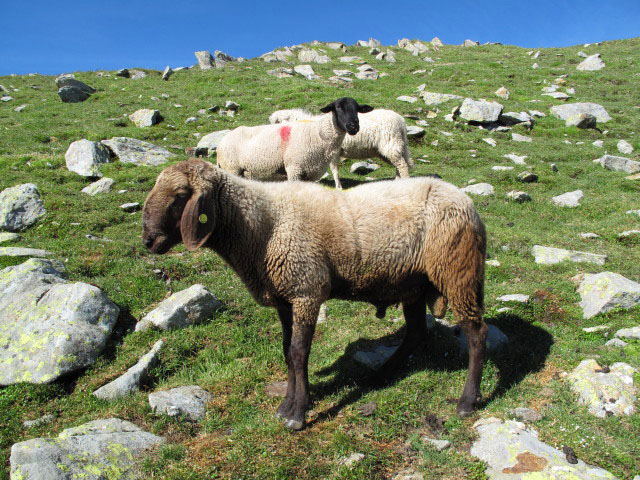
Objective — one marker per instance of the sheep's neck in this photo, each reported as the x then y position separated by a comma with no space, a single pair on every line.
329,130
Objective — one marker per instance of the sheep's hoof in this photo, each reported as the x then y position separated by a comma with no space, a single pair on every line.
294,424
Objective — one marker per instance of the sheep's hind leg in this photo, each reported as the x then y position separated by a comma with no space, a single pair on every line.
476,332
415,333
286,315
304,323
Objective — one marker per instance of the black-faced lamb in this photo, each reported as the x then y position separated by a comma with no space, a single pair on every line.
297,151
383,134
416,241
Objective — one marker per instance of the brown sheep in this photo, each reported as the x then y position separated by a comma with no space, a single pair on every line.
415,241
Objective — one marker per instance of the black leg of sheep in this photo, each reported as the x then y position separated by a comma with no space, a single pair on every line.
476,333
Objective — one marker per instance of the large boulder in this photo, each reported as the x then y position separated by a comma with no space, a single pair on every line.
312,56
480,111
512,450
189,402
97,450
84,157
211,140
49,326
605,291
138,152
306,71
20,207
591,63
570,112
72,95
221,59
205,60
620,164
145,117
101,186
187,307
69,80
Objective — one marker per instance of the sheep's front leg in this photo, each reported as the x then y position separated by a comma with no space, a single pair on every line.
476,333
304,323
286,319
334,165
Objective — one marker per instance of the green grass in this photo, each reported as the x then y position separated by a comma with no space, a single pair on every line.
237,353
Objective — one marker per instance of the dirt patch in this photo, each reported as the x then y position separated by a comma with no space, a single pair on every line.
527,462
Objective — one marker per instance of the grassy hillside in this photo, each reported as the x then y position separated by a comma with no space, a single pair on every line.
237,353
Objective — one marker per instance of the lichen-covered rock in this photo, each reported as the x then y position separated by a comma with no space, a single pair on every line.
619,164
187,401
84,157
49,326
604,391
131,380
145,117
205,60
480,111
433,98
98,450
8,237
101,186
629,333
551,256
605,291
570,111
20,207
138,152
23,252
513,451
187,307
211,140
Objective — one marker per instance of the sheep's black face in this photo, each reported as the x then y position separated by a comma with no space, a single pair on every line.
345,111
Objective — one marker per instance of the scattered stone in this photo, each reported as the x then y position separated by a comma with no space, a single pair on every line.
282,72
221,59
604,391
632,333
512,450
20,108
351,460
620,164
482,189
515,118
9,237
582,54
432,98
527,177
470,43
633,212
312,56
130,207
589,235
49,326
514,297
145,117
123,72
167,73
598,143
306,71
189,402
633,177
439,445
138,152
137,74
616,342
23,252
6,98
571,111
502,168
602,292
519,197
187,307
72,95
557,95
351,60
363,168
569,199
20,207
191,120
205,60
276,389
516,137
597,329
38,421
69,80
629,236
551,256
535,66
376,358
516,158
132,379
407,98
502,93
625,147
99,449
591,64
493,263
415,132
211,140
84,157
490,141
436,42
526,414
480,110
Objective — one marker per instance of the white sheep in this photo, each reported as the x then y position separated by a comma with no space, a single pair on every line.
383,134
294,151
416,241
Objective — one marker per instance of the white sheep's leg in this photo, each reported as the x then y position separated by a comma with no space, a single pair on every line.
476,332
286,319
305,315
334,165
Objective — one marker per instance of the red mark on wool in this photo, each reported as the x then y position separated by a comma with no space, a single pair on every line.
285,133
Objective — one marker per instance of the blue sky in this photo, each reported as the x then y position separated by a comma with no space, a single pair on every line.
55,37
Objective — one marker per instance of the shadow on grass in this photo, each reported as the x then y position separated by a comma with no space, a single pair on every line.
525,353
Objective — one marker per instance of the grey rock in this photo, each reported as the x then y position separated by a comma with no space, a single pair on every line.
276,389
211,140
101,186
189,402
343,73
23,252
191,120
38,421
629,235
496,339
432,98
49,326
363,168
130,207
526,414
415,132
123,72
632,333
72,95
351,59
282,72
69,80
582,120
368,74
351,460
130,381
407,98
502,93
436,42
20,207
633,212
589,235
514,297
605,291
625,147
138,152
519,197
376,358
514,118
519,159
616,342
145,117
8,237
569,199
597,329
187,307
527,177
6,98
408,474
551,256
166,73
604,392
582,54
306,71
591,64
557,95
20,108
512,450
312,56
221,59
490,141
482,189
439,445
205,60
570,111
516,137
337,46
137,74
480,110
85,157
470,43
97,450
620,164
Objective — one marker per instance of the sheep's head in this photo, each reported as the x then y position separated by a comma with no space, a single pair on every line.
179,207
345,112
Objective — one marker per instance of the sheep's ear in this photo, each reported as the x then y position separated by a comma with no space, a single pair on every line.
329,108
364,108
196,224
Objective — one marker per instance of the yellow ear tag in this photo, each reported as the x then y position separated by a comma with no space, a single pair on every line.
203,218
